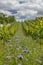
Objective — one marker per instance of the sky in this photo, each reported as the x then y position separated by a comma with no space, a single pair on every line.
22,9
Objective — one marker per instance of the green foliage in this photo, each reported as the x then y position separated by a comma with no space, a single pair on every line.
10,19
34,28
6,32
6,19
13,29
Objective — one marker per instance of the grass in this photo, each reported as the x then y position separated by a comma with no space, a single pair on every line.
15,46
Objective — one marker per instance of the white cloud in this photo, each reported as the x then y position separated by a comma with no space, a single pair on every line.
25,8
5,12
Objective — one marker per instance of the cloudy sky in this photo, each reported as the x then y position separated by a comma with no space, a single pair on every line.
22,9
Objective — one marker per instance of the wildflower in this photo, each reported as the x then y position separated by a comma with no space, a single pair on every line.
18,48
20,57
26,51
1,25
38,60
19,64
10,46
8,57
9,40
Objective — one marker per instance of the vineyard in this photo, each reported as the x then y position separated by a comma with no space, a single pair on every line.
21,43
